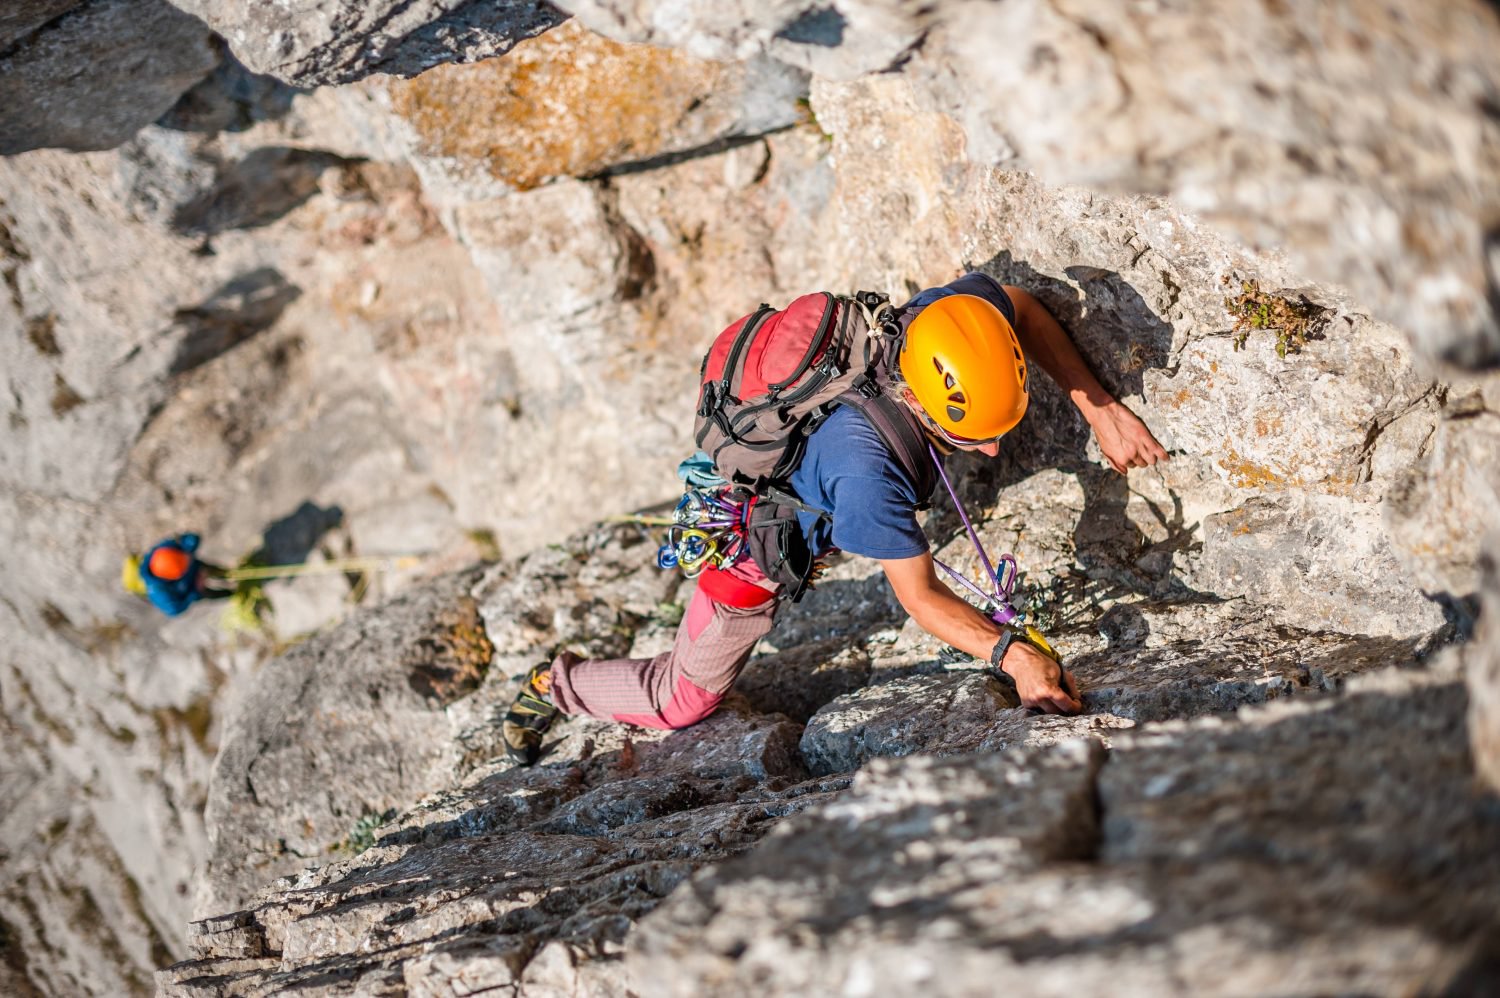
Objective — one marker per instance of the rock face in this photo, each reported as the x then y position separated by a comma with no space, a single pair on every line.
1484,679
458,315
985,873
1187,100
311,41
372,691
578,875
1143,867
88,75
574,104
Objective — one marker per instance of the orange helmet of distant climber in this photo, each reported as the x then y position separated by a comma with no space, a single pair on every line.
170,563
962,361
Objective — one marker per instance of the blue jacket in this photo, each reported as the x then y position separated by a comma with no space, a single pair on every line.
172,596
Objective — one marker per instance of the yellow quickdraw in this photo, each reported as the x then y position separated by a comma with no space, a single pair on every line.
1034,636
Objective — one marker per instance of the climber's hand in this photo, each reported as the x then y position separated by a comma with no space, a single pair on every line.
1040,682
1124,439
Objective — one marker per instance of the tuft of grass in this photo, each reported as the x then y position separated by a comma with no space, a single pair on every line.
485,541
668,614
249,610
809,117
362,836
1293,322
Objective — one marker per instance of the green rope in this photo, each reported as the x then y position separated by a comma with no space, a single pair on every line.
321,568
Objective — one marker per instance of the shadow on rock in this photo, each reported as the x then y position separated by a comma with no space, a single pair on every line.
256,190
230,99
249,304
821,647
1318,835
291,539
1121,337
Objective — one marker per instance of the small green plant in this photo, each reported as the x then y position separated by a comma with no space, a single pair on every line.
668,614
485,541
362,835
809,117
1293,322
249,610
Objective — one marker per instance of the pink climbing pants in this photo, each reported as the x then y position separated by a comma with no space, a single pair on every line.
682,686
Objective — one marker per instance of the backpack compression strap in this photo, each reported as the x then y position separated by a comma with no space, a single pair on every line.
898,428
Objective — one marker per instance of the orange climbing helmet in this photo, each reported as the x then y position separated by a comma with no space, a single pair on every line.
962,361
169,563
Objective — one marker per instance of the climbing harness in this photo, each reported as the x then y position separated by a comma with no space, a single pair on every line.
997,604
708,527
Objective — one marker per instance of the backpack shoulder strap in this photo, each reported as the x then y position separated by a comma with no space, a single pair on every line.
899,429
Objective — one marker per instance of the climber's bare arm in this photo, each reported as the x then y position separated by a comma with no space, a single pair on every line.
1039,681
1124,439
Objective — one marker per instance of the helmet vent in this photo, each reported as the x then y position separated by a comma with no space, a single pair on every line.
948,381
955,413
957,397
939,365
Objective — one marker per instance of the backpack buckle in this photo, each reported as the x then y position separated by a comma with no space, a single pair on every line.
866,386
711,401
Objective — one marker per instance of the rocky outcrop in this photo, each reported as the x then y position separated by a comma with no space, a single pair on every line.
309,42
1184,864
372,694
575,104
1045,854
575,875
1370,133
89,75
1384,194
435,325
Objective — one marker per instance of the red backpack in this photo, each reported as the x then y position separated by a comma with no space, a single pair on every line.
770,379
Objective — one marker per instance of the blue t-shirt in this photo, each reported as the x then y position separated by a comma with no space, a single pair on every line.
848,470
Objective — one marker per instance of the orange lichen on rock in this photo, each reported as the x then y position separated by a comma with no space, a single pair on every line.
566,103
1246,474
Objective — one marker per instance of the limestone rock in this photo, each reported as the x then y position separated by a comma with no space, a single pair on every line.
982,873
571,103
1445,501
315,41
628,825
22,17
1319,563
837,41
338,730
1189,100
916,841
89,75
949,714
1483,660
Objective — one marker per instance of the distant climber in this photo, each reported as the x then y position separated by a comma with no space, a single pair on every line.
955,376
173,577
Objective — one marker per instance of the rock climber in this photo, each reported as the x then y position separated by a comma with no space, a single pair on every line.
172,576
849,471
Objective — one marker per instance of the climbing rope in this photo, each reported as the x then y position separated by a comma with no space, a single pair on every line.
998,602
321,568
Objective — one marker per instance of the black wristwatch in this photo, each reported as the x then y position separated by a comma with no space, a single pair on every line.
1007,635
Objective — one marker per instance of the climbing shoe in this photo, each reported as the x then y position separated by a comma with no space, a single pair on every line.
529,717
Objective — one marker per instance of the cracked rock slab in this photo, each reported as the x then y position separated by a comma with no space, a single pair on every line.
1328,846
97,72
347,725
946,713
529,877
917,851
309,42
